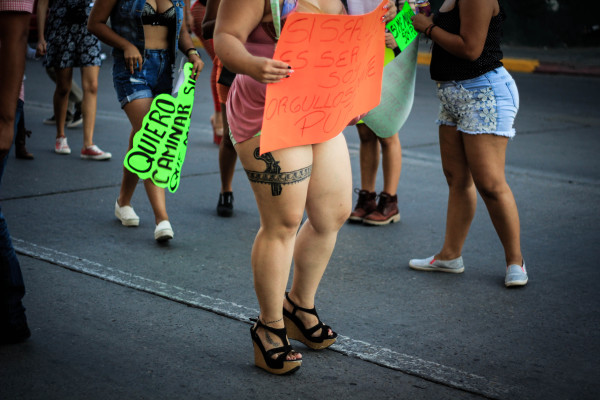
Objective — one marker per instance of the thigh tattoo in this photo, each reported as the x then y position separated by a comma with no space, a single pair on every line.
273,175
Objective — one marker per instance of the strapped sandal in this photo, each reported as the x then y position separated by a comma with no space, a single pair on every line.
297,331
264,358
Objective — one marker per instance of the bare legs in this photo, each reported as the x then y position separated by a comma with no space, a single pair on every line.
326,195
470,163
61,98
227,155
13,34
89,84
328,205
136,110
369,160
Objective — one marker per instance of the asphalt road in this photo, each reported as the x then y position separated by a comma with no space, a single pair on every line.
114,315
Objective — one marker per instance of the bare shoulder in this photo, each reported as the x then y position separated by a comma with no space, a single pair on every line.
487,5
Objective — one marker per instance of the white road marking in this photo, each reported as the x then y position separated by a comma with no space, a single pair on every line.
388,358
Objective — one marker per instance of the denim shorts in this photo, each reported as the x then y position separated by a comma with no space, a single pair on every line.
486,104
156,77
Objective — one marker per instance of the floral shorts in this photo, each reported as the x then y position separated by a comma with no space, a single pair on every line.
486,104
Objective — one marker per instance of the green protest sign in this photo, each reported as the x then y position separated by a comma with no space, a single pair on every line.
159,147
401,27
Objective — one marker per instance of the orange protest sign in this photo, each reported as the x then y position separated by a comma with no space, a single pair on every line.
338,66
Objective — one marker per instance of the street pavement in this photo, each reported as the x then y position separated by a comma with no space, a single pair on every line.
114,315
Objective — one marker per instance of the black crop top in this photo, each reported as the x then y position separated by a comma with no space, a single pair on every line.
151,17
447,67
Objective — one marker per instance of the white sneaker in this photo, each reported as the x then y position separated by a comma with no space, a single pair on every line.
126,215
163,231
516,275
454,266
61,146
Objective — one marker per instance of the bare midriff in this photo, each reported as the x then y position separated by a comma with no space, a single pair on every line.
156,37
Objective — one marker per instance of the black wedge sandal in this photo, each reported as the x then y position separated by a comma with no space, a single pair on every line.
264,358
297,331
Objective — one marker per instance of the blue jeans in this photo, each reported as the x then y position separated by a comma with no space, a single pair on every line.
12,288
156,77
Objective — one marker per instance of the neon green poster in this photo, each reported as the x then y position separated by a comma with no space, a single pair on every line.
159,147
401,27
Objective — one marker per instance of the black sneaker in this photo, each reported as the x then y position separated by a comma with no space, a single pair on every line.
50,121
76,120
225,206
68,120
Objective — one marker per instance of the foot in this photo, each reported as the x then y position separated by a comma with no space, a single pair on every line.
225,205
365,205
52,120
163,231
516,275
272,341
61,146
386,212
126,215
308,320
76,120
21,152
455,266
93,152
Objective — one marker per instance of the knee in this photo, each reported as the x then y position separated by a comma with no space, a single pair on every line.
91,88
62,90
458,179
286,227
365,135
332,220
491,189
390,142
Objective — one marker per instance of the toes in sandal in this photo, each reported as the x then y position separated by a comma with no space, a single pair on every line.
297,331
264,358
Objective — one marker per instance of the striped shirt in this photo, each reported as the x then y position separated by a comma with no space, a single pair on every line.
16,5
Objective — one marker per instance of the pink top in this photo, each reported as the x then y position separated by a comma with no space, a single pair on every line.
17,5
246,100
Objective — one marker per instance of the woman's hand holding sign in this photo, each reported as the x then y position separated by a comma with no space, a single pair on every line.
391,11
267,70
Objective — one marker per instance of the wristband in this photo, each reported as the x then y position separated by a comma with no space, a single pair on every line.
429,29
191,50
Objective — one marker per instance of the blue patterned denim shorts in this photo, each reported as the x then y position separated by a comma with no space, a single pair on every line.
156,77
486,104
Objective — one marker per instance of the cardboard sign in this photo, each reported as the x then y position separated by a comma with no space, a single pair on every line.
338,65
402,28
159,148
397,94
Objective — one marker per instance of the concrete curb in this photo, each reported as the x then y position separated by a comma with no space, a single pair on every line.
533,66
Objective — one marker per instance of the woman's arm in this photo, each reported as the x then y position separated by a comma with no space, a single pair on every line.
475,16
42,13
186,45
97,26
187,16
235,21
210,16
